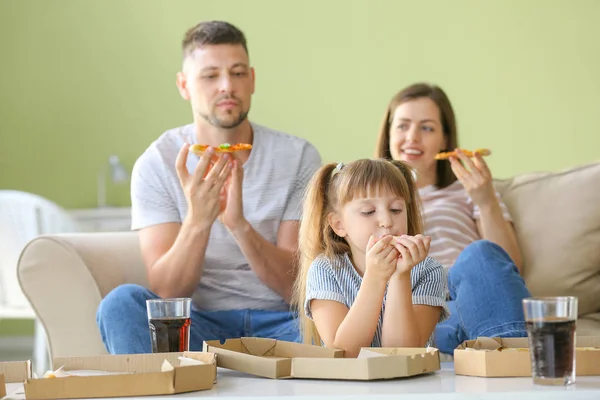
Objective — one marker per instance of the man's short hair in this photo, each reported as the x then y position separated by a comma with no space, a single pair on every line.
212,32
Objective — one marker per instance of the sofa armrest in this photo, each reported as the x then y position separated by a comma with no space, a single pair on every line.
65,276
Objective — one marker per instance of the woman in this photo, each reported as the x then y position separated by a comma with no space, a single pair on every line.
471,230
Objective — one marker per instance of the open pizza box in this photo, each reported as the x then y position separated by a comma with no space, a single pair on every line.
509,357
276,359
268,358
13,372
124,375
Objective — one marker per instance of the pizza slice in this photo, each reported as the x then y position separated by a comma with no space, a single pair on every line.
199,149
468,153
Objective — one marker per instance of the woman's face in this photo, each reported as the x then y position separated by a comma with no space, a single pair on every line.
416,135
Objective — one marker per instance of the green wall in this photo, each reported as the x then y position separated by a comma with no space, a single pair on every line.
16,327
80,80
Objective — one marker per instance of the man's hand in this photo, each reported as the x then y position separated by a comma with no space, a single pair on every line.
203,188
232,216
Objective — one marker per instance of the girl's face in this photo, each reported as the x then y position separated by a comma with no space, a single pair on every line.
416,136
379,214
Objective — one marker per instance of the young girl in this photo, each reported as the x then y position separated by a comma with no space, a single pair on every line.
471,230
365,279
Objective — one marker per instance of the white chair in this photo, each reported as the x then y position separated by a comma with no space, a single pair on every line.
23,217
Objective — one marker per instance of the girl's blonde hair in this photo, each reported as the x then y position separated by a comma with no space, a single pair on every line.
330,188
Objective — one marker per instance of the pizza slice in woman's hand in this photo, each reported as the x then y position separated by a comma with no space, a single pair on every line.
468,153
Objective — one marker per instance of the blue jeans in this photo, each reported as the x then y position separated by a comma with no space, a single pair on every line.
486,293
123,323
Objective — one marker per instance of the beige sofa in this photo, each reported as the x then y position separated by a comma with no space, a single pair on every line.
557,219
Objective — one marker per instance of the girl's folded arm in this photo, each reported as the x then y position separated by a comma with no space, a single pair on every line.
427,319
350,329
411,314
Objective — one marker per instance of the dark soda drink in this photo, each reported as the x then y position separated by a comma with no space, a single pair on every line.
170,334
552,346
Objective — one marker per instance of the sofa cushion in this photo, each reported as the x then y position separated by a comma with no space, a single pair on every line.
557,223
589,325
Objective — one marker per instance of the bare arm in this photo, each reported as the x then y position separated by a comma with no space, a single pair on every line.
350,329
173,252
493,227
476,178
173,269
273,264
405,324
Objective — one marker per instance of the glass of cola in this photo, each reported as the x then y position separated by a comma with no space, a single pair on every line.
551,333
169,321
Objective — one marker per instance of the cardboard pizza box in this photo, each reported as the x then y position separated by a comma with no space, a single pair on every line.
13,372
277,359
125,375
509,357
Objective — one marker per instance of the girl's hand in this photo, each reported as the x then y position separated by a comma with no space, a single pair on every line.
476,178
381,258
412,250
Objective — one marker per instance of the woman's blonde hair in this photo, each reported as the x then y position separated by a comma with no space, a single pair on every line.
330,188
444,173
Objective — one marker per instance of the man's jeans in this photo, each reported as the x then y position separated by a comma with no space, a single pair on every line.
486,293
123,323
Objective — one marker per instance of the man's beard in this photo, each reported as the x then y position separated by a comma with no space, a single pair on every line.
219,123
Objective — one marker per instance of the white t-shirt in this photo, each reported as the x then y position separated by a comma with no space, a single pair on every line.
275,176
450,216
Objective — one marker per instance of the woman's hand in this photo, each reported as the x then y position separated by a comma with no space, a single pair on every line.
476,178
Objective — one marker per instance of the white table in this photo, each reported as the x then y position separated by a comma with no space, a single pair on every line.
445,385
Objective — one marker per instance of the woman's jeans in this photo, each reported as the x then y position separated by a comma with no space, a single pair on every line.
486,293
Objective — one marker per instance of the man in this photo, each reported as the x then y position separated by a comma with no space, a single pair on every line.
222,232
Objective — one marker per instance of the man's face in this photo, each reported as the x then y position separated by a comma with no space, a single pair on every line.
219,83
